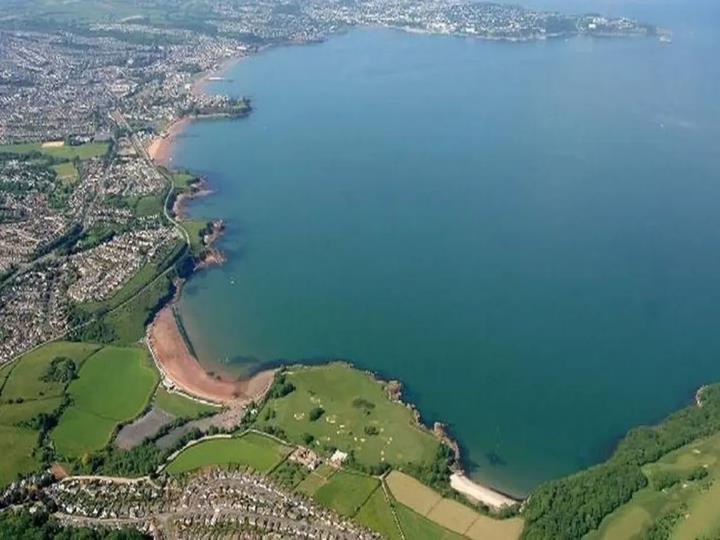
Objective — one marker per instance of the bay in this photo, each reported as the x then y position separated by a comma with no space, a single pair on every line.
526,235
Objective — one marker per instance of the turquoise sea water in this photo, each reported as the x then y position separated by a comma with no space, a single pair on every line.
527,235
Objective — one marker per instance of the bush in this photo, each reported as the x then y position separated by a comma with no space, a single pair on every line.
315,413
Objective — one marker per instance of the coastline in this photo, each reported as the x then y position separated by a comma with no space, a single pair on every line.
181,371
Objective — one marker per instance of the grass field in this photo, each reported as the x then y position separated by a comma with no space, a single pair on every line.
193,228
114,385
83,151
182,181
180,406
256,451
346,492
695,500
16,447
376,514
12,414
358,416
417,527
25,381
311,484
128,322
450,514
150,205
66,172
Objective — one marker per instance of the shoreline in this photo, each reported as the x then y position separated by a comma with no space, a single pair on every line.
182,371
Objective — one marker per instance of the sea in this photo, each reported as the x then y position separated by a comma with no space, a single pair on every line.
527,235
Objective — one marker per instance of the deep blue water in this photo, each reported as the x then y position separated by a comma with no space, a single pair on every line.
527,235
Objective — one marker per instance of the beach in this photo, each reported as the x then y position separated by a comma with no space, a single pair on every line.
160,148
181,370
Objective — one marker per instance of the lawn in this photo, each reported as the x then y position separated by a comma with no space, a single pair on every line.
114,385
25,381
256,451
696,500
376,514
358,416
346,492
16,447
181,406
417,527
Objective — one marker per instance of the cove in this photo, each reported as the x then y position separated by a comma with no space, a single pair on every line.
526,235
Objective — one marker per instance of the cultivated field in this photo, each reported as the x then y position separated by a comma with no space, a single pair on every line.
416,526
346,492
252,450
358,416
679,494
114,386
448,513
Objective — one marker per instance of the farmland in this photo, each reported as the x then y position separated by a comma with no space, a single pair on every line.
449,513
114,386
377,515
346,492
252,450
357,417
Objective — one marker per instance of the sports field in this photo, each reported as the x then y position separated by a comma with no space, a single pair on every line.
346,492
253,450
358,416
679,493
448,513
114,385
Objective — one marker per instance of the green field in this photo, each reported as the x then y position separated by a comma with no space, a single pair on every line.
415,526
181,406
82,151
15,413
182,181
311,484
16,448
253,450
694,501
193,228
346,492
114,385
150,205
129,321
358,417
377,515
25,381
66,172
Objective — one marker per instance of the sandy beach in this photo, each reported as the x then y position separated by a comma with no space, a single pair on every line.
160,148
494,499
182,370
